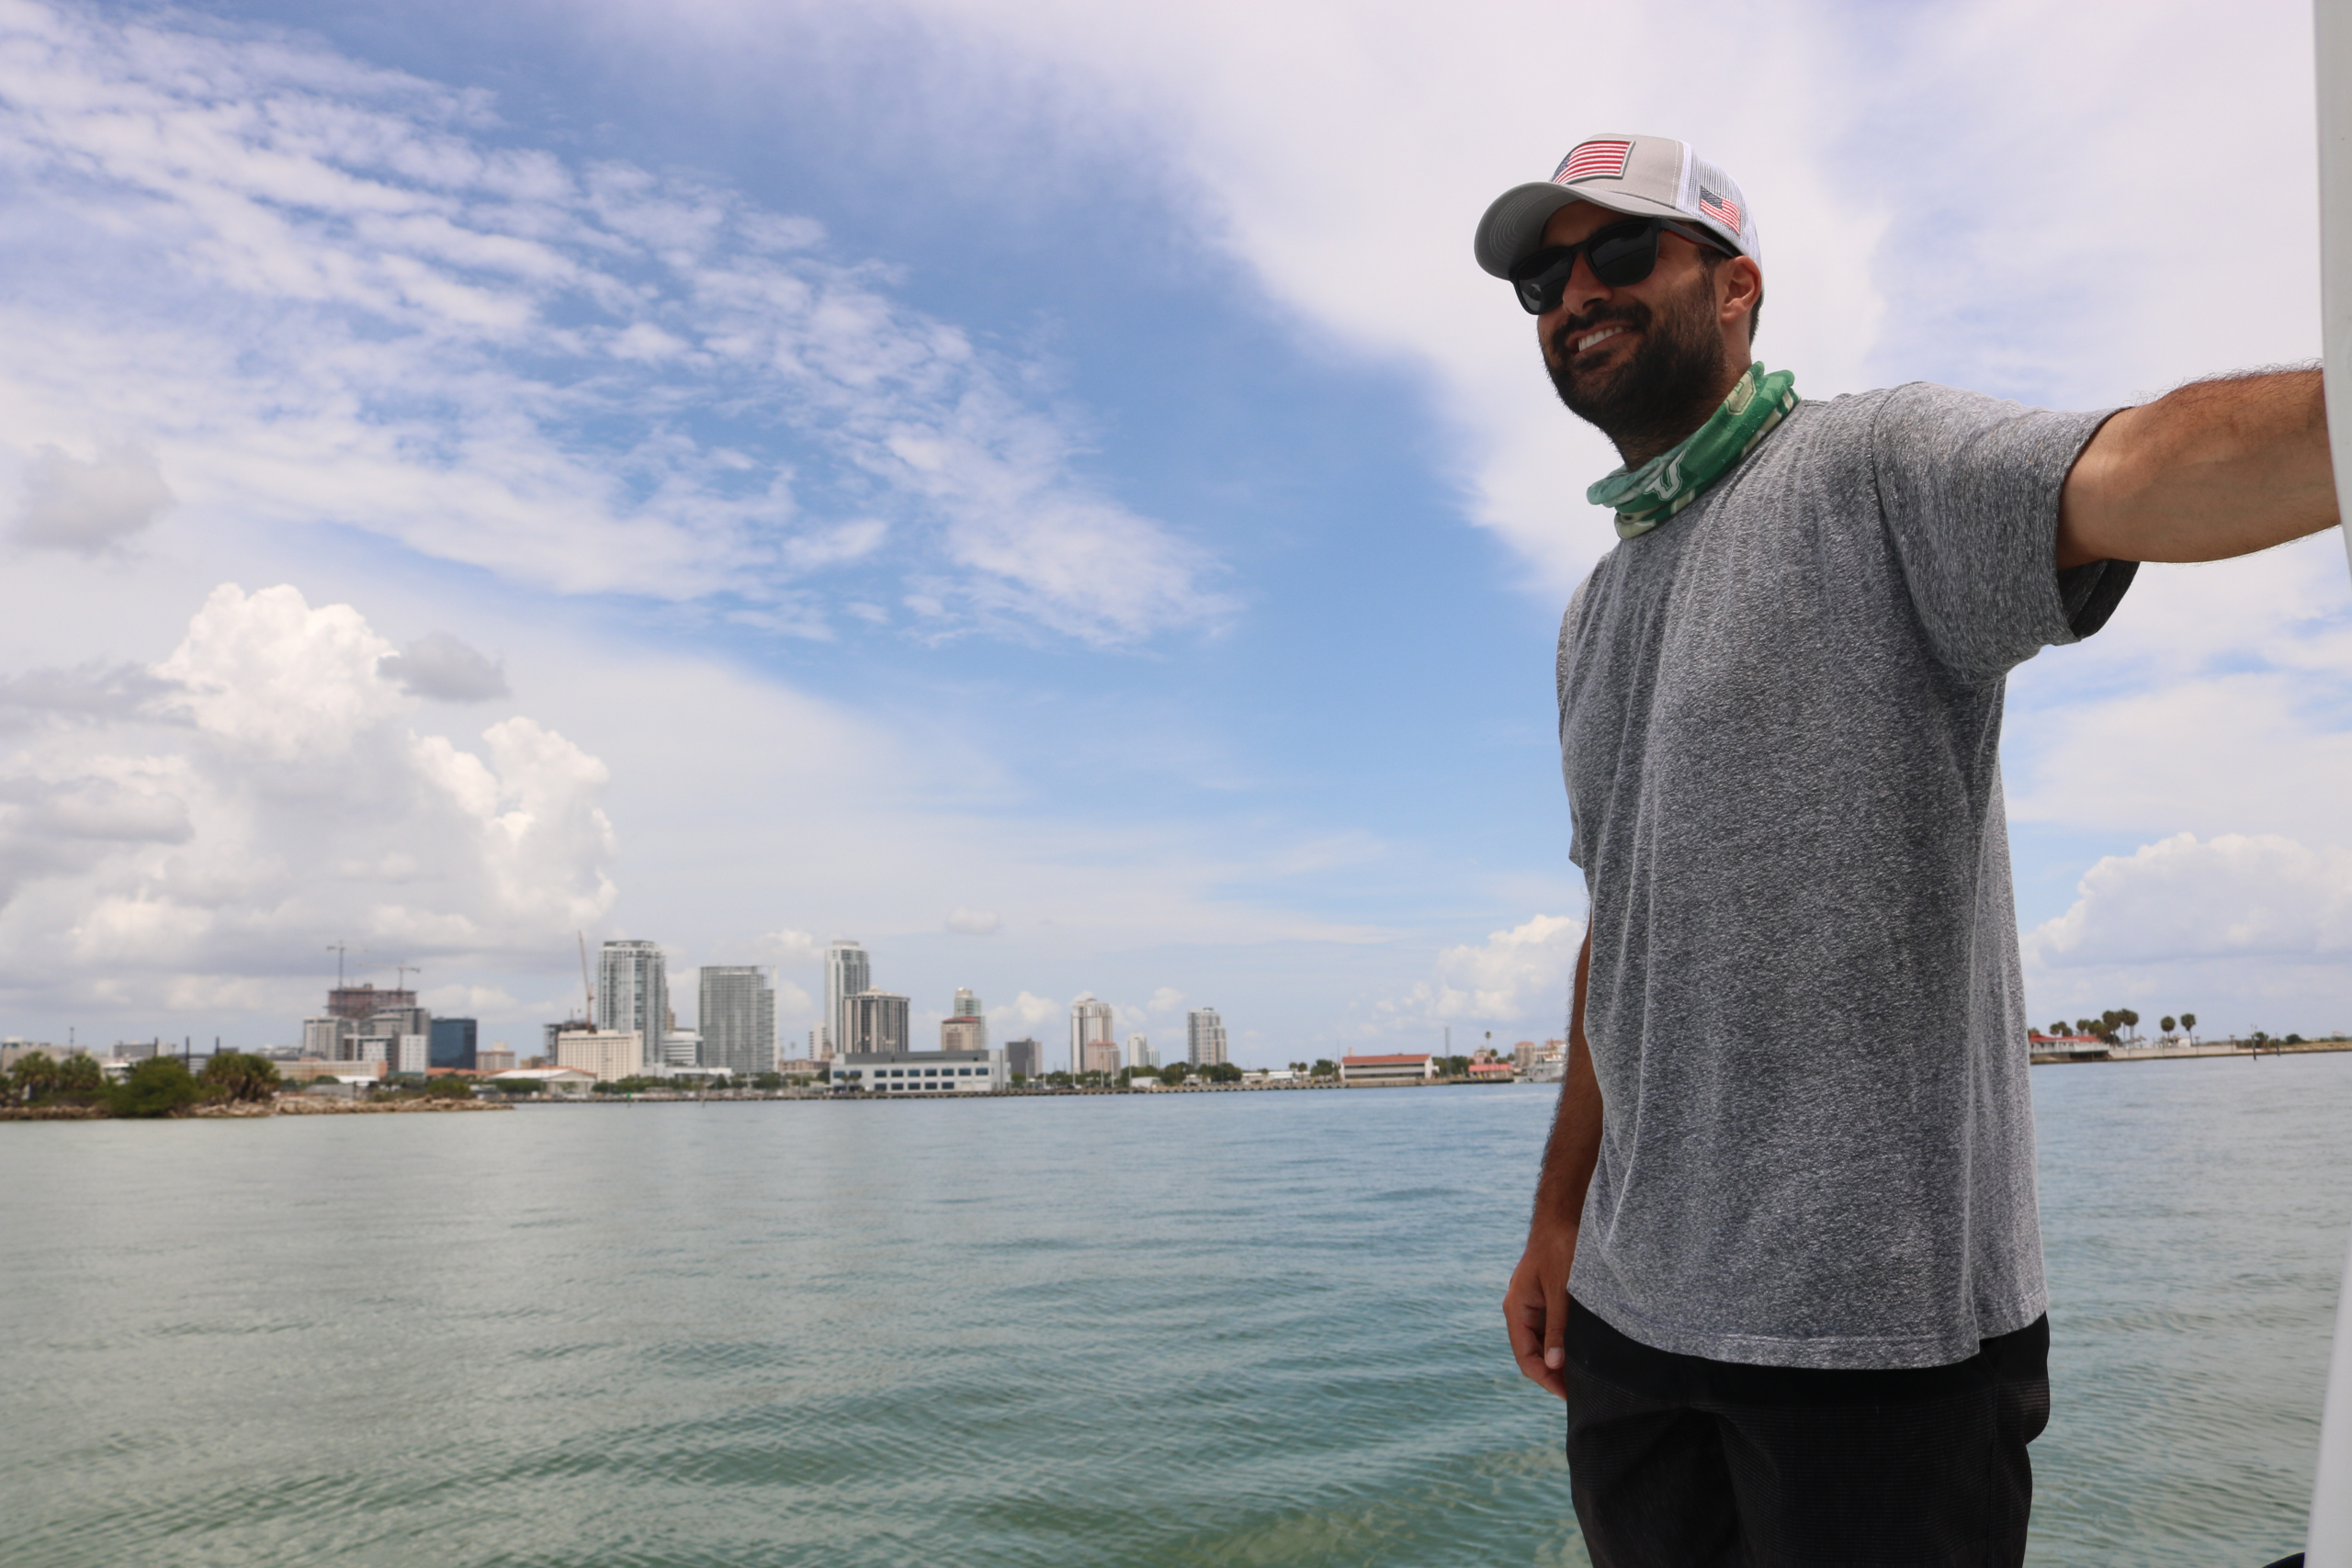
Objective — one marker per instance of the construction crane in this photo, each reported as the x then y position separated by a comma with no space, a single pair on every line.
587,991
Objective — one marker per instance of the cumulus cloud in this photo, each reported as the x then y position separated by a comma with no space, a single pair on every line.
2235,895
327,293
973,923
443,667
1024,1013
1520,975
267,794
88,508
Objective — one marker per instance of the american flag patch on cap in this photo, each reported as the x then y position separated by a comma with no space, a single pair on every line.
1722,208
1593,161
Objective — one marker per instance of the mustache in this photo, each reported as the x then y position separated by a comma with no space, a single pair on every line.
1632,313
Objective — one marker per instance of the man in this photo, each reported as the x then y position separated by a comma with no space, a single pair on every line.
1784,1265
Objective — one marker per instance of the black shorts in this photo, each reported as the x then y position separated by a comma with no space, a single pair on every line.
1677,1461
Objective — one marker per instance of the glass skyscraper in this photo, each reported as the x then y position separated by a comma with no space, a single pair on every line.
633,993
847,972
736,1013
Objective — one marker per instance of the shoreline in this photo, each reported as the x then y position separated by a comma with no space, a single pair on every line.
2192,1052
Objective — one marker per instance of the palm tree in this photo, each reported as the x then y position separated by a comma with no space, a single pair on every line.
2168,1024
2188,1025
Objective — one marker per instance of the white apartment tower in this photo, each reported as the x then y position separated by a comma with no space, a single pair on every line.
1139,1052
1204,1037
633,995
736,1016
1089,1023
847,972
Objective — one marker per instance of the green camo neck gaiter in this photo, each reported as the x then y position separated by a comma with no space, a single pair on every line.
1674,479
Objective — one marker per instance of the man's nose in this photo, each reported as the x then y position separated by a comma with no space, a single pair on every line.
1583,289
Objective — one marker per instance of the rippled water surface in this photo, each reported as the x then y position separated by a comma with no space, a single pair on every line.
1236,1328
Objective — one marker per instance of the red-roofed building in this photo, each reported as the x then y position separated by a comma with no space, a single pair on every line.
1414,1067
1501,1071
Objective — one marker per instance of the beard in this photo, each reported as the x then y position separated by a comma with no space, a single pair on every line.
1665,389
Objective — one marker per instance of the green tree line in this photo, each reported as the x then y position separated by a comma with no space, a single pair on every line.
160,1086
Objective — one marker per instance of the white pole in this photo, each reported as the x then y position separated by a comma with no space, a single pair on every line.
2329,1541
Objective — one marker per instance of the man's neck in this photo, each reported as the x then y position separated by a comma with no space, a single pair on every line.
1636,447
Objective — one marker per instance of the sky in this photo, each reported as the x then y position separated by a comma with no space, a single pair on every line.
1038,489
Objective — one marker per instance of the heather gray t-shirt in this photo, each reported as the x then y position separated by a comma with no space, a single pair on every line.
1779,725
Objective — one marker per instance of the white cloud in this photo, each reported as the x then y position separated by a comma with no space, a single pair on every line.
973,923
2236,896
266,796
1023,1013
319,292
89,507
1516,977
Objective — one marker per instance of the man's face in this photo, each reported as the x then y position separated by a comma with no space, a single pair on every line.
1636,360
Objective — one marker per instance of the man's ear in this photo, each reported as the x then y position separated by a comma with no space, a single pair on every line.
1742,285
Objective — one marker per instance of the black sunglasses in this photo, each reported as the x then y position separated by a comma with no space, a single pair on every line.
1620,254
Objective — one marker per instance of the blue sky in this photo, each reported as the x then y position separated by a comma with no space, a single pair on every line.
1040,490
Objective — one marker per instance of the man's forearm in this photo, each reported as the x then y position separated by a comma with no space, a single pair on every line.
1575,1146
2211,471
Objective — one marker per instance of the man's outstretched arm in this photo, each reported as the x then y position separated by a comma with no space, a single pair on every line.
2211,471
1535,1307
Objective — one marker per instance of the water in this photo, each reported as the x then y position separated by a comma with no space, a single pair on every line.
1240,1328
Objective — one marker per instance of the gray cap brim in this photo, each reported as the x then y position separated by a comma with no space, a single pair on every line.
1513,227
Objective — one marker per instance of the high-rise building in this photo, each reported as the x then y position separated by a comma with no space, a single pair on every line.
324,1037
967,1028
379,1038
1204,1037
877,1024
454,1043
360,1002
736,1014
1139,1052
1099,1056
1089,1020
1022,1056
847,973
633,994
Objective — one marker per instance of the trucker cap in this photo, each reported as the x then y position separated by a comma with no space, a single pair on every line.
1644,177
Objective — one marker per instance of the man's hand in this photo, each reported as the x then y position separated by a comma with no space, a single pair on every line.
2211,471
1535,1307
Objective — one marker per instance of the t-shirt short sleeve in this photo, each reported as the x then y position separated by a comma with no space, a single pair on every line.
1969,487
